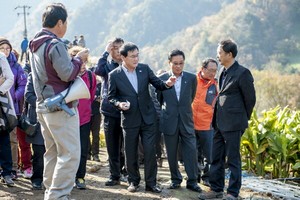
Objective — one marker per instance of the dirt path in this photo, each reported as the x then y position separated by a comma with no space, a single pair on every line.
97,191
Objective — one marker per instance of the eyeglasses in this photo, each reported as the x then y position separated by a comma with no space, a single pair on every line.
211,70
5,49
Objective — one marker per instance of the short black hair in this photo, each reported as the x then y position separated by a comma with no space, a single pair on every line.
53,14
129,46
208,60
229,46
176,52
118,40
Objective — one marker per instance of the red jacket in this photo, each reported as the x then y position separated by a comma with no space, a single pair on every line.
85,105
203,103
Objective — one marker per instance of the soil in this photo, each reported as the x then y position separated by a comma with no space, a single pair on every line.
96,190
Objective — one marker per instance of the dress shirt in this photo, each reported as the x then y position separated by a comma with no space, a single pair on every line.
177,86
132,77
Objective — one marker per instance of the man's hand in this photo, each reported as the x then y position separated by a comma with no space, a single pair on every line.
171,81
124,105
83,54
109,47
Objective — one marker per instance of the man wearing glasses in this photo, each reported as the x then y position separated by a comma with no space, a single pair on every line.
176,121
203,113
128,91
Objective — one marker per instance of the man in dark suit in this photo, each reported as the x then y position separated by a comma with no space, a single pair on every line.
112,116
177,121
233,109
128,91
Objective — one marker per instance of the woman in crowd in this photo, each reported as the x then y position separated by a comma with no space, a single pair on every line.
37,140
6,81
85,112
17,136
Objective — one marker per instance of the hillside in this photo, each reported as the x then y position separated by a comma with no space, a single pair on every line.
145,23
267,31
263,37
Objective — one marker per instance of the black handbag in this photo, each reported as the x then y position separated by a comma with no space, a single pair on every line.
8,118
29,128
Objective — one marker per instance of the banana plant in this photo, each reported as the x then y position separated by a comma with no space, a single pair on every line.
272,143
254,141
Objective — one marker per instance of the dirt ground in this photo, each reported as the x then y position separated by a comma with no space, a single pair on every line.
96,190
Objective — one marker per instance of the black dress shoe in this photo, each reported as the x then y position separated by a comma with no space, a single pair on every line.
112,182
174,186
37,186
195,188
155,189
132,187
206,183
96,158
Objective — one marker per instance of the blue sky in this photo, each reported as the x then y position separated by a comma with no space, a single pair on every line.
10,17
12,25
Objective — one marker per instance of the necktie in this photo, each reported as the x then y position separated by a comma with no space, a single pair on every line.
223,77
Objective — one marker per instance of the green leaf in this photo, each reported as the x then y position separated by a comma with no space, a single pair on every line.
296,166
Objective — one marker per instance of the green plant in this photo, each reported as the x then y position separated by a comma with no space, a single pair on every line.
271,143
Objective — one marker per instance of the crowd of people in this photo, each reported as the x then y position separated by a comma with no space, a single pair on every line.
200,117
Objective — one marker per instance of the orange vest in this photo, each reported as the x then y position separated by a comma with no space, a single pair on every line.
203,103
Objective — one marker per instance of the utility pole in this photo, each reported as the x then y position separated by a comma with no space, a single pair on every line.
24,14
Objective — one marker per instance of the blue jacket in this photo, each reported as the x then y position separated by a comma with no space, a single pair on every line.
20,79
24,44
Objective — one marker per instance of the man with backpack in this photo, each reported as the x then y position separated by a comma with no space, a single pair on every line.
53,70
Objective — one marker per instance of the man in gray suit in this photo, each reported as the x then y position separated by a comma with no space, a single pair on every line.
128,91
177,121
233,109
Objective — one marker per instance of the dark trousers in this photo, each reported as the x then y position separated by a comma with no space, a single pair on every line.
5,154
141,152
189,154
131,139
114,143
159,141
95,129
179,151
204,145
38,163
226,144
22,55
84,142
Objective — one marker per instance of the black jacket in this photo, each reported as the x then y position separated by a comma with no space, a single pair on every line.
30,98
172,109
236,99
141,105
96,103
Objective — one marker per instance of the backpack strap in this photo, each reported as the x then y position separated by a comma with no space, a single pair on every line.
49,44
